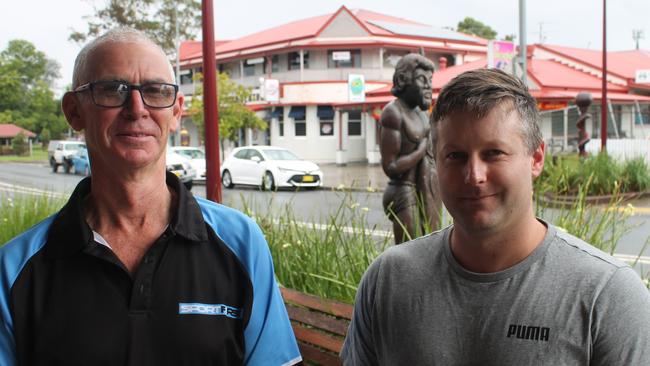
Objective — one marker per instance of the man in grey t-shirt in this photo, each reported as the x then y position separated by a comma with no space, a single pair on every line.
499,287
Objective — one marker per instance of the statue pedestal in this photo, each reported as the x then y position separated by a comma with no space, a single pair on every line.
341,158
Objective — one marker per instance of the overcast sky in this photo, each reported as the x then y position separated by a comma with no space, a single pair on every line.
576,23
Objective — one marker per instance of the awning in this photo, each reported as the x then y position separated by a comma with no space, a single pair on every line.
325,112
297,112
278,112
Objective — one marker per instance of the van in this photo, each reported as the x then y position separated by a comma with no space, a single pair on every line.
59,153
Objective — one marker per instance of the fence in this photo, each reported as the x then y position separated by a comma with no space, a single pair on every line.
623,149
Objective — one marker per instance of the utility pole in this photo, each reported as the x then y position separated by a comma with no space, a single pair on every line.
522,41
603,101
636,35
210,108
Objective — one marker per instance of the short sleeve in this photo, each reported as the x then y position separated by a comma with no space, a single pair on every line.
269,337
359,345
621,321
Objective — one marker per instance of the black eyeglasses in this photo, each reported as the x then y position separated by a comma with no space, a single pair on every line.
113,94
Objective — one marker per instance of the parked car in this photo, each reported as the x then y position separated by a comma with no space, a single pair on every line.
269,167
60,151
80,162
196,156
180,166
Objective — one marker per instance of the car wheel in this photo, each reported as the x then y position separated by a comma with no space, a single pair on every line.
268,184
226,179
54,165
67,165
188,185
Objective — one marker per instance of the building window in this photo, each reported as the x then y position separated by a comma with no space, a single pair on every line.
294,60
325,115
354,123
275,63
186,77
278,113
337,59
249,70
297,113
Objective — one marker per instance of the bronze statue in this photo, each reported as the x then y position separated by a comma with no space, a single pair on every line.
410,200
583,100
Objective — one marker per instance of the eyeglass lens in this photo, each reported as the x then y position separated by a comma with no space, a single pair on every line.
115,94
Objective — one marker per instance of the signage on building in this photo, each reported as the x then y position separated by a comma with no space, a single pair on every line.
551,106
500,55
255,61
356,88
642,76
271,90
341,55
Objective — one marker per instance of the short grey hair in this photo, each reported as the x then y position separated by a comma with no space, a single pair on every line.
479,91
115,35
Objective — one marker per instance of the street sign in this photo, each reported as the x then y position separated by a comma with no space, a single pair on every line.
642,76
356,88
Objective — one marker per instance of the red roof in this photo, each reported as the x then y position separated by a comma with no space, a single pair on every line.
552,74
622,63
9,130
311,28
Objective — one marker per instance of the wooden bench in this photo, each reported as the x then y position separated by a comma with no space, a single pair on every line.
320,326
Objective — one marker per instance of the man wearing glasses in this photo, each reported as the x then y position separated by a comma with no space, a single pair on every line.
134,270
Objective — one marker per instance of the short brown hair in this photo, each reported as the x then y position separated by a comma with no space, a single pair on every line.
479,91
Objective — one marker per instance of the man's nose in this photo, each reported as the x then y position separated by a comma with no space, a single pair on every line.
475,171
135,105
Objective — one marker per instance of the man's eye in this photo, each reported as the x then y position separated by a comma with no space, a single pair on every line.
455,155
494,152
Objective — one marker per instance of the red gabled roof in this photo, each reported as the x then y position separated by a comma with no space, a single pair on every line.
621,63
311,28
552,74
9,130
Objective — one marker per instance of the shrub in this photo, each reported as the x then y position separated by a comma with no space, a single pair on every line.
19,144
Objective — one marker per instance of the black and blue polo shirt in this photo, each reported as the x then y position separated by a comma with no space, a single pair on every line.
204,294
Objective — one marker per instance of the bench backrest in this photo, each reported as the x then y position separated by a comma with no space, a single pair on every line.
320,326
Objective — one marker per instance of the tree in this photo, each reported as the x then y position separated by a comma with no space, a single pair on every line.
472,26
157,18
26,98
233,113
19,144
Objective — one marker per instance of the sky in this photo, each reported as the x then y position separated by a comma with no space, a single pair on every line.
575,23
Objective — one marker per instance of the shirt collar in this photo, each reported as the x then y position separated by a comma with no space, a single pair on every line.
70,233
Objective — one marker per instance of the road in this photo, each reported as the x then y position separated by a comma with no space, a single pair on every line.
308,206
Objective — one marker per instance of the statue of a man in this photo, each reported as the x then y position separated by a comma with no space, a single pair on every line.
404,143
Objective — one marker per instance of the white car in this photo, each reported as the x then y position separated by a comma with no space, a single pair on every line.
60,153
196,156
269,167
180,165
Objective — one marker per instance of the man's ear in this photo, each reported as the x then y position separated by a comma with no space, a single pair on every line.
538,160
71,106
177,111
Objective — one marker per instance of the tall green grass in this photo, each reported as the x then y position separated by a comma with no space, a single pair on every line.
20,212
564,175
325,259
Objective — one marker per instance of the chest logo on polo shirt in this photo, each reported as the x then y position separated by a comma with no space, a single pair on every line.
530,332
209,309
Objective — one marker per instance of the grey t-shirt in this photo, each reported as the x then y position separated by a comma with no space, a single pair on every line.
565,304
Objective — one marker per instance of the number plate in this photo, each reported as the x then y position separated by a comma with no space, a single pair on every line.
307,178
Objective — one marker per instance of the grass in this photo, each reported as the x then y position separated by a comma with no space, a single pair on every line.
38,155
20,212
564,175
326,260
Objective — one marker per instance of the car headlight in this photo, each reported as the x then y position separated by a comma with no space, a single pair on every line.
285,170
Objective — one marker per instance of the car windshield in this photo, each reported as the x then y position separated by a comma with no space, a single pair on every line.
192,154
276,154
75,146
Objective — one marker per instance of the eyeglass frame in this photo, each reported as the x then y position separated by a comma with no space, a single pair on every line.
130,87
